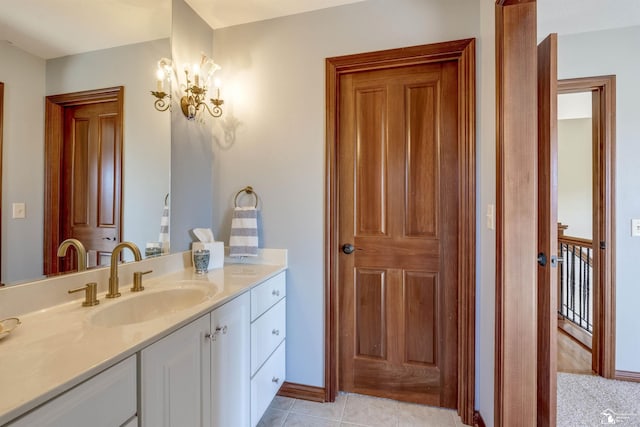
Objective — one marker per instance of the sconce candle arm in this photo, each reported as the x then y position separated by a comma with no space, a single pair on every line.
162,102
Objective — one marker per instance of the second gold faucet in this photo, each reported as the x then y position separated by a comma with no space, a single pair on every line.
113,276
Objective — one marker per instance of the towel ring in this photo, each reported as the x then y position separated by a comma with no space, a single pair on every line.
249,190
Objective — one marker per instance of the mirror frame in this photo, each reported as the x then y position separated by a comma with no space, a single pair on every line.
54,136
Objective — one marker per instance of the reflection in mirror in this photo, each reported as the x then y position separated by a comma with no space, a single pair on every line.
120,46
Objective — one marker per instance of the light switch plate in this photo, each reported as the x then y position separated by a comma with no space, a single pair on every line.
19,211
491,217
635,228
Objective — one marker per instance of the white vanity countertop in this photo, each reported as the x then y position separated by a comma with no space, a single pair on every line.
57,348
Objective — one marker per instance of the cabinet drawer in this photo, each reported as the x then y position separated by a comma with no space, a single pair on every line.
266,383
266,333
106,400
267,294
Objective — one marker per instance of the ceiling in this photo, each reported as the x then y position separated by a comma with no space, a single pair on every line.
225,13
579,16
53,28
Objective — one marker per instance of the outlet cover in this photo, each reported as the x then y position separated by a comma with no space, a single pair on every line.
635,228
19,210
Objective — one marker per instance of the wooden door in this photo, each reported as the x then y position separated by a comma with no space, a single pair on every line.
398,186
547,229
92,165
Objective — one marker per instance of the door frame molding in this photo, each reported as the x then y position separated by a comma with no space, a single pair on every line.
515,398
603,89
53,144
463,52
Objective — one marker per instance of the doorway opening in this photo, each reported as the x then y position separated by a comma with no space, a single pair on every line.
586,241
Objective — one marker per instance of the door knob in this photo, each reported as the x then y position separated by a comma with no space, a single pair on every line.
348,248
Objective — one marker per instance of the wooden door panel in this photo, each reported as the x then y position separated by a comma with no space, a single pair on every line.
370,321
80,172
107,166
414,384
400,253
371,162
421,317
421,212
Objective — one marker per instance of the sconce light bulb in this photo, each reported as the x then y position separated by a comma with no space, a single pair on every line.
160,74
217,83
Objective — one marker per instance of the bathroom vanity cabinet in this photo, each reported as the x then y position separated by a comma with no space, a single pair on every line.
221,369
225,367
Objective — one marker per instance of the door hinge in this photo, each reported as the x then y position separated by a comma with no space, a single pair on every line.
603,245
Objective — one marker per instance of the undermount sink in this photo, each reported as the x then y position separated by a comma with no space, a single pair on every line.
149,305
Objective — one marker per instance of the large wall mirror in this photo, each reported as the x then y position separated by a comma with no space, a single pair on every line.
52,47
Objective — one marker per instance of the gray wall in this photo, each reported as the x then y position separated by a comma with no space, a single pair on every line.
23,162
486,195
146,163
191,146
574,176
603,53
274,86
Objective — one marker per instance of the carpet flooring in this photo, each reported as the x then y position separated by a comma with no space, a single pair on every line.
588,401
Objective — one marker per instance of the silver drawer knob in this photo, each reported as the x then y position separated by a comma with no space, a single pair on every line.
219,330
276,332
275,380
275,293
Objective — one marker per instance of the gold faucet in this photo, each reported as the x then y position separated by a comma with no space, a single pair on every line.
81,252
113,277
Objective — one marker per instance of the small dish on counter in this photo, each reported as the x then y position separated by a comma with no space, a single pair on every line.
8,325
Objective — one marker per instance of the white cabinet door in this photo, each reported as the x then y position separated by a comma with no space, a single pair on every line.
230,363
106,400
175,379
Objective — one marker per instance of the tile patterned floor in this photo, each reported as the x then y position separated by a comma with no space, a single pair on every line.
351,410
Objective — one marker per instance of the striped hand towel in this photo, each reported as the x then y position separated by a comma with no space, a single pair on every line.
163,238
244,232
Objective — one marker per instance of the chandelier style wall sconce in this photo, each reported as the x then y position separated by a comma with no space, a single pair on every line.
163,99
194,91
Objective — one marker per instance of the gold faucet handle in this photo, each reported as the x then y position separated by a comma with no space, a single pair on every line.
137,280
90,296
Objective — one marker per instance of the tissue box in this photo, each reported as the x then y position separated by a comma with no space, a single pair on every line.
216,253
